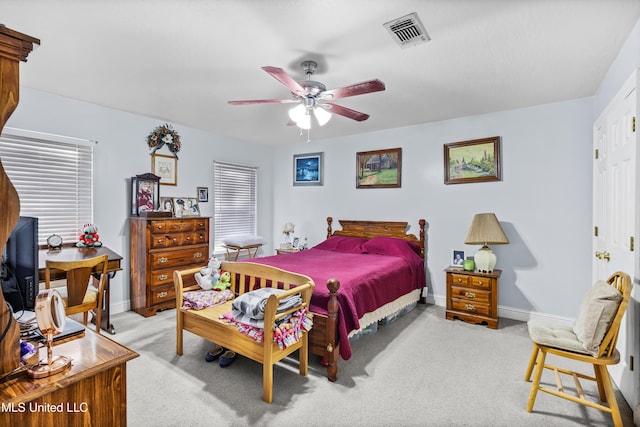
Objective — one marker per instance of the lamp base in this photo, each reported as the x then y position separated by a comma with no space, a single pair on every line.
485,260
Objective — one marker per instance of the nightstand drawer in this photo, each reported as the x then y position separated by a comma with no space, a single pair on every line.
471,306
459,279
481,282
471,295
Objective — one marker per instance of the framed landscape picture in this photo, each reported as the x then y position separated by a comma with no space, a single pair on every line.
379,169
476,160
307,169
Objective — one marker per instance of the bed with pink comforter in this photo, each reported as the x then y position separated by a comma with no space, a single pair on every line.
372,273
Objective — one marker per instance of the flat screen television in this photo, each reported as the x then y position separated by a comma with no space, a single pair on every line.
19,273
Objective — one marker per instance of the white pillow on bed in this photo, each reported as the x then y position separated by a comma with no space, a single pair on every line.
242,240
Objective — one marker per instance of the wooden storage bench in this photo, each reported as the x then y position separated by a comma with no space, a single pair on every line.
245,277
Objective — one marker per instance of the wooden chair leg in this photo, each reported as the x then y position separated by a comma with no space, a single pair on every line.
532,362
536,379
600,382
85,317
610,396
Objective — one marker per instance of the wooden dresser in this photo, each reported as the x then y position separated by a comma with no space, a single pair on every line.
159,246
472,296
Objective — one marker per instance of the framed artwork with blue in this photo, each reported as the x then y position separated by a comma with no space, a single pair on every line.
307,169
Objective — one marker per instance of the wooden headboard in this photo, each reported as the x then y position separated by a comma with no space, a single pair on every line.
369,229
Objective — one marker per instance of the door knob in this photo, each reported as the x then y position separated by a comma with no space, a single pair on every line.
603,255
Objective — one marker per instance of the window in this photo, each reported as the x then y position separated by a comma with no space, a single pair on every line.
235,201
54,179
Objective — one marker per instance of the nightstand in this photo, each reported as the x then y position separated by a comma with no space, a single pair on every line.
473,296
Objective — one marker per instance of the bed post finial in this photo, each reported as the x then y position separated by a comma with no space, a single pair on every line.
329,231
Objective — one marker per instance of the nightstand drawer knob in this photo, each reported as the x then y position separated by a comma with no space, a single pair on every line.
459,280
470,307
162,260
469,295
163,294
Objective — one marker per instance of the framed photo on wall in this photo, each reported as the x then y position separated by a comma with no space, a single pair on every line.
166,167
476,160
203,194
308,169
379,169
145,193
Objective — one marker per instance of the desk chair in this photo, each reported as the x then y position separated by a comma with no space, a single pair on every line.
78,296
592,339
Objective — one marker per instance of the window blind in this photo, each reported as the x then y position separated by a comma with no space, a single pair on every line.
235,201
53,176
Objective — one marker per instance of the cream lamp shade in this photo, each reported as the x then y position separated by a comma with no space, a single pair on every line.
485,229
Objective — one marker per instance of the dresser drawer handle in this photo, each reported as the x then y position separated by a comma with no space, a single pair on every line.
469,295
470,307
163,277
459,280
163,259
198,255
163,294
480,282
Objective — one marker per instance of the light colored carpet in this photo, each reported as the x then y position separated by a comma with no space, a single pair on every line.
420,370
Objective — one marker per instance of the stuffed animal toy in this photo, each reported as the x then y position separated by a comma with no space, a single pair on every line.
208,276
89,237
224,282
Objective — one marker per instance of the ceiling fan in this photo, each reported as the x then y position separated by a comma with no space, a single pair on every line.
312,97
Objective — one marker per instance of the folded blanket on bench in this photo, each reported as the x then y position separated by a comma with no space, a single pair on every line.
249,307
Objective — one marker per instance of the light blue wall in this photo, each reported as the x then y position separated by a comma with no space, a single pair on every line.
543,200
121,152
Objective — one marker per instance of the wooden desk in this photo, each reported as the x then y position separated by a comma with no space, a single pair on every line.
92,392
72,253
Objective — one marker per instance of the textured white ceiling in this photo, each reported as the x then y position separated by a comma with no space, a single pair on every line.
180,61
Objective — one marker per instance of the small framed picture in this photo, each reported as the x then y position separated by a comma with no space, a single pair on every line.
180,207
166,167
296,242
192,207
307,169
457,258
166,204
203,194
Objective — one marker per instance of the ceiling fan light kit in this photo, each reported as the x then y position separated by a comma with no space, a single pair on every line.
311,97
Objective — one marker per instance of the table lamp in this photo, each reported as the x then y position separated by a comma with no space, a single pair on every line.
485,229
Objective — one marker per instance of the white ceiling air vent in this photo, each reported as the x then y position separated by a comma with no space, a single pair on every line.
407,31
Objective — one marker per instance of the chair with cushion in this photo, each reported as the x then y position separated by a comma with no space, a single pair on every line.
83,291
592,339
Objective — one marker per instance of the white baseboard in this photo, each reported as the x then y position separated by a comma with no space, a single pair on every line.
510,312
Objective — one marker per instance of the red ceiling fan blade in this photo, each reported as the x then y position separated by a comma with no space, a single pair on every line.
280,75
355,89
263,101
347,112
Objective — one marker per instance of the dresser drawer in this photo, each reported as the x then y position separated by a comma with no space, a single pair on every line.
165,276
178,239
178,258
162,294
459,279
471,295
470,306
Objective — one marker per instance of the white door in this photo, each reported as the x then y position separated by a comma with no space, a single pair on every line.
614,216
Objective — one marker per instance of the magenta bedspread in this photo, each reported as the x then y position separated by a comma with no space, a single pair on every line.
367,281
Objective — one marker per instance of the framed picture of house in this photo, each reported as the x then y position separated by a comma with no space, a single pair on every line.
308,169
145,193
476,160
166,167
379,169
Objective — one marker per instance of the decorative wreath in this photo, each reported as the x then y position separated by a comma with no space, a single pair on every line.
164,135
